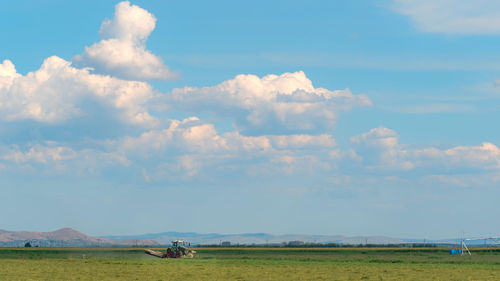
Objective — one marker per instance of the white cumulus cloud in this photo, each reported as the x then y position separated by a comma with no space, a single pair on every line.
271,104
57,92
194,147
7,74
190,135
122,51
380,149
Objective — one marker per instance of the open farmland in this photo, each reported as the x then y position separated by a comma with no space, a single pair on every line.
248,264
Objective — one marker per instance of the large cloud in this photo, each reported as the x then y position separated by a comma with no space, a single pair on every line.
289,117
283,123
57,92
122,52
452,16
271,104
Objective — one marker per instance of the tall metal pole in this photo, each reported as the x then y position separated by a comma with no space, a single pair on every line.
462,246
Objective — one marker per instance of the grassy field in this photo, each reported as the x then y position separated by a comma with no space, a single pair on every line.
248,264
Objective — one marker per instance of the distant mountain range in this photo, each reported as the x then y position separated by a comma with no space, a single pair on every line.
194,238
256,238
67,237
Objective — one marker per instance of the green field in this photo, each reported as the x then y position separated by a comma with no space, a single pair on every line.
248,264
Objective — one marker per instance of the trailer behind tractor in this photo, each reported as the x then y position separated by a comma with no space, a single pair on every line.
177,250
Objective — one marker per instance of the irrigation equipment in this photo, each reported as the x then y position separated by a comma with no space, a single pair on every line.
464,244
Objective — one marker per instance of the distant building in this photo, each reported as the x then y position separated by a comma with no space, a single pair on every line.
225,244
296,243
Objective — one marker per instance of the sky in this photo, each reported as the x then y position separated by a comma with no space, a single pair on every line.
310,117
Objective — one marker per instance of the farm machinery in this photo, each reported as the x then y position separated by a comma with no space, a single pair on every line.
177,250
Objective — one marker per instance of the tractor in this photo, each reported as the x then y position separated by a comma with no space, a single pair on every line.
177,250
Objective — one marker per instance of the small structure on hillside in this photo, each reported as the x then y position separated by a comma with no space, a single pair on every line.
296,243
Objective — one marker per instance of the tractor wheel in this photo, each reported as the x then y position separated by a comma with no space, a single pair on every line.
169,253
178,254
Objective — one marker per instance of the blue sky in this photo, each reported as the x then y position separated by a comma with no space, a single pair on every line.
321,117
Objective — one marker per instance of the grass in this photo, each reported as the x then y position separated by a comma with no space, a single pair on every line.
248,264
